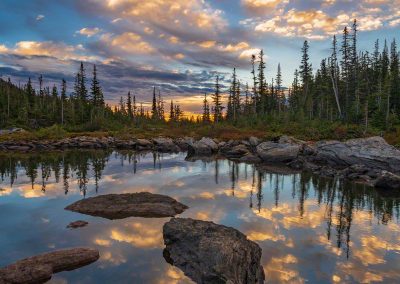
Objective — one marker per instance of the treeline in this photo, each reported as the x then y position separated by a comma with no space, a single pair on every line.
350,86
85,106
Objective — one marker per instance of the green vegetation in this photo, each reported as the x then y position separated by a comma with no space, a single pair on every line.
352,94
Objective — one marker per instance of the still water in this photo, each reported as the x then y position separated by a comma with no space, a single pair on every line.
310,229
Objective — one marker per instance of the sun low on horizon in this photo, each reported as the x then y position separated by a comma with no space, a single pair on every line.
177,46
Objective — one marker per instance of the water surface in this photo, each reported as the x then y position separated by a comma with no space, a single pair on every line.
310,229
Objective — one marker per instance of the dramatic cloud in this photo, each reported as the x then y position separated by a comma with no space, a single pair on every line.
324,20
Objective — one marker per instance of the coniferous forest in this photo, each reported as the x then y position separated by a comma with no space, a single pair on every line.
350,87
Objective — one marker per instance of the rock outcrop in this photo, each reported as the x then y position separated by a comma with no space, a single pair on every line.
39,269
211,253
373,152
278,152
119,206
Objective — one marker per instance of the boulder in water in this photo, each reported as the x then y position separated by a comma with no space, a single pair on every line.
211,253
39,269
119,206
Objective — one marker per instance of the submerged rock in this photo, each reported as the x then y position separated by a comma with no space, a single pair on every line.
77,224
211,253
278,152
39,269
373,152
119,206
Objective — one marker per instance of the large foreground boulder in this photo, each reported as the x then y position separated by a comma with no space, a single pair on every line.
39,269
373,152
205,146
211,253
119,206
278,152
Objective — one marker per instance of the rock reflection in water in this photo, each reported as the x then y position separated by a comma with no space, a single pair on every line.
309,228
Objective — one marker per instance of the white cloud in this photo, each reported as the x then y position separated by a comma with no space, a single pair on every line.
89,32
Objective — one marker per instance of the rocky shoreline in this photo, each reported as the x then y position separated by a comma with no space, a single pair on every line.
370,161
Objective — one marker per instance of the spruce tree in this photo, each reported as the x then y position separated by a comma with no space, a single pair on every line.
217,100
63,98
129,106
154,114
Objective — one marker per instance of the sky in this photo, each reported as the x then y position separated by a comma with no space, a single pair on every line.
178,46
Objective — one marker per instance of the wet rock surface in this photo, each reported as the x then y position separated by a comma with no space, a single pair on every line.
39,269
211,253
119,206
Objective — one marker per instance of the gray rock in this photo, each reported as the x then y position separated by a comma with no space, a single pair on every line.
165,145
143,144
119,206
254,141
39,269
77,224
205,146
183,143
372,152
277,152
211,253
236,152
388,180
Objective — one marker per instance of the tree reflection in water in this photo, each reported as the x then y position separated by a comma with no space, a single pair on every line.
339,199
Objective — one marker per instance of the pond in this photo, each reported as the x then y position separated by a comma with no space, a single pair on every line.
310,229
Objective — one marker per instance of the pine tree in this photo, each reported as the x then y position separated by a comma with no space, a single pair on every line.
255,98
63,98
345,64
395,77
206,110
95,90
334,75
172,112
217,100
262,89
279,92
154,114
83,93
129,106
306,73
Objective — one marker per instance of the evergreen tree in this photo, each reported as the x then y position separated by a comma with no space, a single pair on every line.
96,92
206,110
306,75
172,112
154,114
63,98
129,106
217,100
